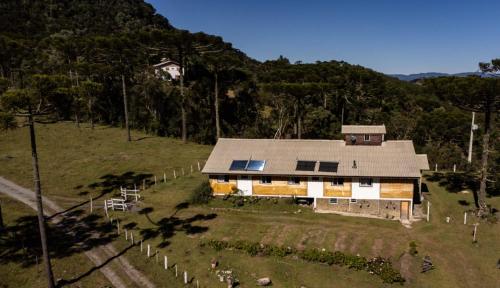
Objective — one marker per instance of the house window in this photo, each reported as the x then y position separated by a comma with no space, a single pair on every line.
293,181
367,137
337,182
365,182
223,178
333,201
352,200
265,180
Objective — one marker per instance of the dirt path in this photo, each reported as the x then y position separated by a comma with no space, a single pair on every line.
97,255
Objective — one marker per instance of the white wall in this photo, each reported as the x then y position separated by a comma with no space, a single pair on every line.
359,192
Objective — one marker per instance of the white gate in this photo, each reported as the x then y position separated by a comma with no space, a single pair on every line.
315,187
244,184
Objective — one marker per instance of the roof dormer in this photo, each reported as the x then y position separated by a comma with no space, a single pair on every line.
363,134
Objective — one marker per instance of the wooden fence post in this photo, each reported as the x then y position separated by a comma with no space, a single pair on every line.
164,177
197,283
428,210
155,180
454,168
156,256
106,208
141,246
185,277
199,166
191,169
132,237
165,262
126,234
175,270
475,232
91,205
436,168
149,251
175,176
465,218
118,226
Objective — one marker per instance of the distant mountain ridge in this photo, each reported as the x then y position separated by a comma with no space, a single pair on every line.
412,77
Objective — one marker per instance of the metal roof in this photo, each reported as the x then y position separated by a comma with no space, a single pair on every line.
422,161
363,129
391,159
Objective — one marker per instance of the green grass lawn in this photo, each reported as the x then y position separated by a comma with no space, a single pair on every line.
79,163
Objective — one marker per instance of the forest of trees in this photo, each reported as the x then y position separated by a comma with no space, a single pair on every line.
87,56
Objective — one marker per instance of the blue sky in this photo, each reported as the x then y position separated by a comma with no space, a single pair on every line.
397,36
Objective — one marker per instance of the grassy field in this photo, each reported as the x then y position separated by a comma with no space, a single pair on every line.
79,163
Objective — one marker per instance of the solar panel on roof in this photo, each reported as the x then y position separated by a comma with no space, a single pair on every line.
325,166
238,165
256,165
305,165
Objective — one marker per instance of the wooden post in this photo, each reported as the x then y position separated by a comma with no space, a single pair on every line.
143,184
436,168
165,262
175,270
118,226
155,180
126,234
428,210
454,168
465,218
197,283
475,232
191,169
182,171
156,256
149,251
141,246
185,277
164,177
199,166
132,237
106,208
91,205
175,176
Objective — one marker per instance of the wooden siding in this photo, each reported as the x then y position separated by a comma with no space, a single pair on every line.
279,186
396,188
222,188
337,191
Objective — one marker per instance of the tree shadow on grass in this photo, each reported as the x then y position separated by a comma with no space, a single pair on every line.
73,234
167,227
108,184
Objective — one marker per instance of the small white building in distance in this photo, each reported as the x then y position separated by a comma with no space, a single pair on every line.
167,66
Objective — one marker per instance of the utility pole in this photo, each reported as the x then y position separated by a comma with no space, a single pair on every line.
472,128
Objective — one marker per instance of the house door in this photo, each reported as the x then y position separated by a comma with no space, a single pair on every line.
405,210
244,184
315,187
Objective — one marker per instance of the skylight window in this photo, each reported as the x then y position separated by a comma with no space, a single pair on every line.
256,165
238,165
305,165
325,166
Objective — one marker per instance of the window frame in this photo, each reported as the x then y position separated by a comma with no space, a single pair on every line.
223,178
365,139
262,181
332,181
336,201
353,200
291,180
366,185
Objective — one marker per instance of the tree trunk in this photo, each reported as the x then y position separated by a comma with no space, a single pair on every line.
216,104
183,101
299,127
481,196
39,204
125,107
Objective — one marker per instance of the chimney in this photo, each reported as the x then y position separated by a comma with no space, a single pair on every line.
354,165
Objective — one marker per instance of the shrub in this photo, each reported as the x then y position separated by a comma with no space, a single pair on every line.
377,266
202,194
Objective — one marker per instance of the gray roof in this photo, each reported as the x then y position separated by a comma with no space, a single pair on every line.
391,159
422,161
363,129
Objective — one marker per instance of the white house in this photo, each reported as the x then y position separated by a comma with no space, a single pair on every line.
167,66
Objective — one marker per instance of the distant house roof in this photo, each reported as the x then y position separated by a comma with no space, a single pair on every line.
391,159
422,161
165,62
363,129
